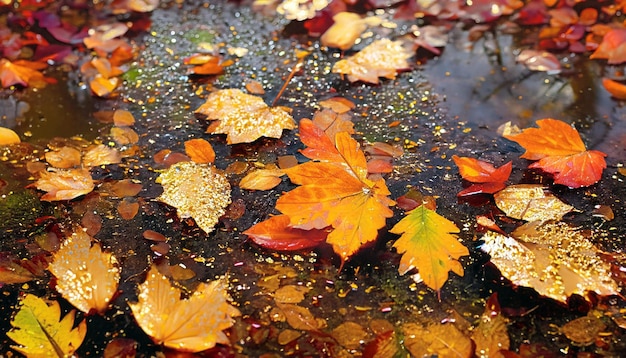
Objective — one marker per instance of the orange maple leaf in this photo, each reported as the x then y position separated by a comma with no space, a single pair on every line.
191,325
22,72
428,243
560,151
339,195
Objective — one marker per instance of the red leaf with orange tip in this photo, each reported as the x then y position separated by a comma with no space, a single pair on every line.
20,73
560,151
276,233
489,179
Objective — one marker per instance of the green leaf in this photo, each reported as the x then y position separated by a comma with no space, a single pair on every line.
40,331
428,243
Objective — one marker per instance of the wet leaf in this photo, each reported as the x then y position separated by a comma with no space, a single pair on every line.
39,330
20,73
537,60
124,135
443,340
190,325
299,10
101,155
347,28
583,331
197,191
276,233
560,151
489,179
382,58
261,179
244,118
8,136
123,118
491,335
128,208
86,276
338,195
530,202
120,348
11,271
349,334
65,184
338,105
64,157
299,317
428,243
143,5
616,89
200,151
290,294
613,47
554,259
103,87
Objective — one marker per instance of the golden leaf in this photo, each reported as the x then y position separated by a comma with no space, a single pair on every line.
244,118
442,340
8,136
101,155
65,184
40,331
64,157
197,191
382,58
86,276
191,325
261,179
530,202
554,259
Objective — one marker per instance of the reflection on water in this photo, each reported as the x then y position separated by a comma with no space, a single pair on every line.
12,111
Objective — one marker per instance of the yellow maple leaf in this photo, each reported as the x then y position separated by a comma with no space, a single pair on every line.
428,243
86,276
191,325
338,194
40,331
244,118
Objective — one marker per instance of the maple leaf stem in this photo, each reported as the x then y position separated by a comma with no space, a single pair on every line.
295,69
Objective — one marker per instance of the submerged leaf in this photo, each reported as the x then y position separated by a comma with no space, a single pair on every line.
86,276
554,259
40,331
197,191
442,340
244,118
428,243
190,325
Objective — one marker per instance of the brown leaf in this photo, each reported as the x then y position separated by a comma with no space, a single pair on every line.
299,317
443,340
491,335
126,187
124,135
128,208
290,294
123,118
349,334
65,184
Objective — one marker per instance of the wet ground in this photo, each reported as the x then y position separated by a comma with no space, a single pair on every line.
446,105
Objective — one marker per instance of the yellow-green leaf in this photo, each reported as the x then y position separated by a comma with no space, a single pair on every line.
40,331
428,243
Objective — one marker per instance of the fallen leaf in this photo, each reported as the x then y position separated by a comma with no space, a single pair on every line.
554,259
126,187
382,58
120,348
143,5
583,331
613,47
299,317
243,117
65,184
103,87
560,151
443,340
86,276
197,191
189,325
339,195
542,61
347,28
101,155
39,330
128,208
261,179
290,294
123,118
17,73
276,233
530,202
200,151
124,135
616,89
11,271
300,10
339,105
255,87
489,179
64,157
8,136
491,335
349,334
429,243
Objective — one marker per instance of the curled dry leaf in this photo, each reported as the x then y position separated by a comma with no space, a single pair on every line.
39,330
65,184
530,202
8,136
261,179
560,151
382,58
197,191
554,259
190,325
200,151
101,155
244,118
86,276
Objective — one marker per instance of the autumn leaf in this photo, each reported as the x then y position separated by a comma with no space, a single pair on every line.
382,58
339,195
613,47
64,184
261,179
8,136
530,202
488,179
190,325
491,335
429,243
347,28
440,339
197,191
86,276
200,151
39,330
616,89
20,73
554,259
560,151
537,60
101,155
276,233
244,118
